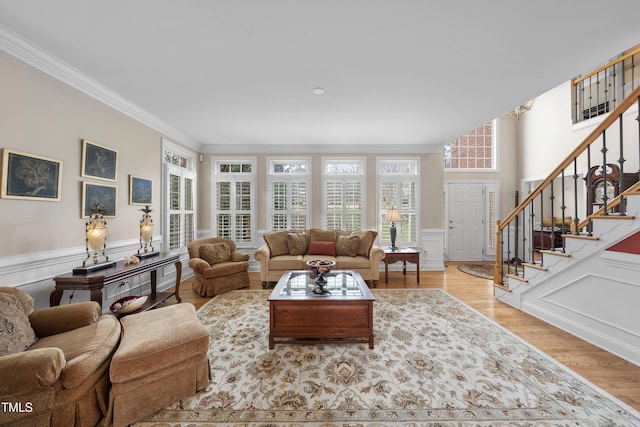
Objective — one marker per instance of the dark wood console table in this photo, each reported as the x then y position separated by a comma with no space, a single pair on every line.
95,281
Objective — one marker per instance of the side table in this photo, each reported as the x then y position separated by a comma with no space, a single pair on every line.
401,254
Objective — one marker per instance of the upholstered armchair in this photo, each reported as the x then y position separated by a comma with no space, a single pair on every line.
54,362
217,265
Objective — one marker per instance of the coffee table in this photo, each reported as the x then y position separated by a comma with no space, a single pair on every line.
297,315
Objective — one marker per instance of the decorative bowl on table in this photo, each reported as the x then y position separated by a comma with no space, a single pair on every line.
320,267
128,304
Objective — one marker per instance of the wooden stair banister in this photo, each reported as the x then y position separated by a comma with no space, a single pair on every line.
607,122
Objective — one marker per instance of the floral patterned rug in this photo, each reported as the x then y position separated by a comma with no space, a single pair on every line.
436,362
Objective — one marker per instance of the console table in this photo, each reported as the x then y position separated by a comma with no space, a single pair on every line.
95,281
401,254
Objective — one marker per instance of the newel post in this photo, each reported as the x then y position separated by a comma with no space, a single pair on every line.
497,268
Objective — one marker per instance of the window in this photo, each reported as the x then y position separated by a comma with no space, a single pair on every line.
343,196
475,150
289,193
180,198
398,186
234,213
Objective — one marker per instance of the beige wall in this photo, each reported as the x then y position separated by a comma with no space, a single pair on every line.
40,115
43,116
546,136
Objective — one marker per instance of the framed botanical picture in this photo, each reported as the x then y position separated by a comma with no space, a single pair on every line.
100,196
27,176
99,161
140,190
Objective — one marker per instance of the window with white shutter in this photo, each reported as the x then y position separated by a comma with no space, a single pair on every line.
180,198
343,193
289,193
398,187
234,212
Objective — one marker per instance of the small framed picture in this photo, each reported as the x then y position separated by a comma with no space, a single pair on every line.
99,161
99,196
140,190
31,177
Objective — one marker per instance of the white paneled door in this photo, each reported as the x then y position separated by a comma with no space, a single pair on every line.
465,221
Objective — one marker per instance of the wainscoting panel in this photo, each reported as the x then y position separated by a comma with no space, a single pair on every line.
594,299
34,273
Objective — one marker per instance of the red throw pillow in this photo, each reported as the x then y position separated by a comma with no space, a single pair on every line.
322,248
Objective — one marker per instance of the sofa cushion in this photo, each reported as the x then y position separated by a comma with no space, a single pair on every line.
287,262
366,240
352,263
277,242
322,248
318,235
215,253
347,245
16,333
298,243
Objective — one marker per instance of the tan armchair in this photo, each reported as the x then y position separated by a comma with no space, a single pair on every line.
63,378
217,266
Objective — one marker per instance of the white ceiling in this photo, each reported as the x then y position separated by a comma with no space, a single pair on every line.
398,74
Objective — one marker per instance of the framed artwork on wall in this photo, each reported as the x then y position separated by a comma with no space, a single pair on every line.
101,196
99,161
140,190
31,177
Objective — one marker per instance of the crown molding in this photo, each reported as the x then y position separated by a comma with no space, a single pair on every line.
21,49
319,149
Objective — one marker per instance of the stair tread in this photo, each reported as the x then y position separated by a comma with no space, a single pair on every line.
536,266
580,236
558,253
611,216
519,278
503,287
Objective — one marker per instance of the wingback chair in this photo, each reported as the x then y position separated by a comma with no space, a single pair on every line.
54,367
218,267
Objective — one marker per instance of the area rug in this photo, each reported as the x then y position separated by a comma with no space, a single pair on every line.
484,271
436,362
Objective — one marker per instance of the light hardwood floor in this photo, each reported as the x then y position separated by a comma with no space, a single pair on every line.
611,373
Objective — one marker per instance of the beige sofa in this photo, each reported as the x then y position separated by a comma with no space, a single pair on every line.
290,250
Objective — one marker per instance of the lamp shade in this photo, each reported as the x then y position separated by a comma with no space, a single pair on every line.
393,215
146,230
96,234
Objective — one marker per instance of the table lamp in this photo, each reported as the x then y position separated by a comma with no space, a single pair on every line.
393,216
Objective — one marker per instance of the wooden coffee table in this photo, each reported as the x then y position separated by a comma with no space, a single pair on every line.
297,315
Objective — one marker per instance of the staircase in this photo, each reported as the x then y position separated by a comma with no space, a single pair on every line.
588,289
590,286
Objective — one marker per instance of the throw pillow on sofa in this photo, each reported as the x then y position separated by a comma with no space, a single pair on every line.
347,245
366,239
298,243
277,242
322,248
215,253
16,333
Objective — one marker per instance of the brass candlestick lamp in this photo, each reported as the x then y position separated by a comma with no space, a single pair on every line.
146,235
95,241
